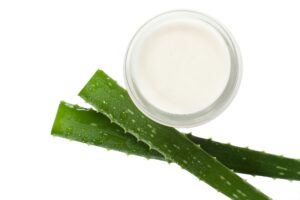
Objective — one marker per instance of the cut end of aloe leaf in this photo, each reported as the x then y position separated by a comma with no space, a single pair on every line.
87,126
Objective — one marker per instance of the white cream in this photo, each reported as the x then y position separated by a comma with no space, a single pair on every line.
181,66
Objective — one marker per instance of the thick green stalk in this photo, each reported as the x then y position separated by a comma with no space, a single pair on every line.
88,126
109,98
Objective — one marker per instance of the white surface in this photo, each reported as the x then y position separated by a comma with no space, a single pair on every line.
48,50
180,64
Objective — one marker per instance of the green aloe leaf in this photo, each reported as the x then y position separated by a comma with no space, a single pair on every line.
88,126
112,100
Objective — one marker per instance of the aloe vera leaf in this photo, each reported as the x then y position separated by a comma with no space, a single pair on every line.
112,100
88,126
73,122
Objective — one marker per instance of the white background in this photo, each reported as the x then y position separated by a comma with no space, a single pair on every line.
49,50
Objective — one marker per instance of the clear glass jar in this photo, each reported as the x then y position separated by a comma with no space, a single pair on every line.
199,117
